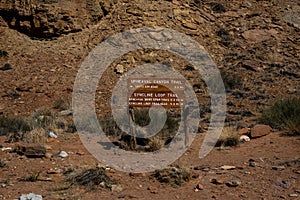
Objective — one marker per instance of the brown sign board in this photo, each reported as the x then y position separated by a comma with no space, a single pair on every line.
147,92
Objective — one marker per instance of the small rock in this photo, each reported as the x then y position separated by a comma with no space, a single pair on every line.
65,112
251,65
52,140
80,153
116,188
228,167
198,187
233,183
244,138
293,195
119,69
6,149
278,168
48,155
217,181
52,135
252,163
189,25
282,197
283,184
31,196
260,130
243,131
63,154
54,171
6,67
153,190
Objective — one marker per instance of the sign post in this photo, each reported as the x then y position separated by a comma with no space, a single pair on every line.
148,92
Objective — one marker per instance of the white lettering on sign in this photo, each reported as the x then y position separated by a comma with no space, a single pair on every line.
146,92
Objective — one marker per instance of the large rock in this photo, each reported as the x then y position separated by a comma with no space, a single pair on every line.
260,130
258,35
36,151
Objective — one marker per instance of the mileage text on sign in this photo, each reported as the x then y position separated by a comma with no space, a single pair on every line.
147,92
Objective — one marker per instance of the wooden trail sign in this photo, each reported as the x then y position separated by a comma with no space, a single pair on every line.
147,92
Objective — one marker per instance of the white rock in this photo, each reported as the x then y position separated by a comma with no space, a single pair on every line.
244,138
63,154
227,167
120,69
6,149
116,188
293,195
52,135
31,196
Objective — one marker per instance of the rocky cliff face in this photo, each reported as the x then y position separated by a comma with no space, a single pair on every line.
46,19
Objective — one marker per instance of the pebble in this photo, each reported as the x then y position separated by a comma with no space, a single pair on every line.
228,167
116,188
244,138
278,168
54,171
52,135
233,183
48,155
217,181
6,149
31,196
293,195
198,187
119,69
252,163
63,154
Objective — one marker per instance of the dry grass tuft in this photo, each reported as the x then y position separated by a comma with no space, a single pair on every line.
229,137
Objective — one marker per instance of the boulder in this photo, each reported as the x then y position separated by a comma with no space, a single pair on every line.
36,151
260,130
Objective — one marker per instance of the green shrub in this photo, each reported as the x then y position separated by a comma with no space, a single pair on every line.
284,114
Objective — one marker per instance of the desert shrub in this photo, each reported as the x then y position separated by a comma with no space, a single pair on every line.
231,80
142,117
14,124
62,104
110,127
33,177
91,177
283,114
228,137
35,136
155,143
174,176
44,118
